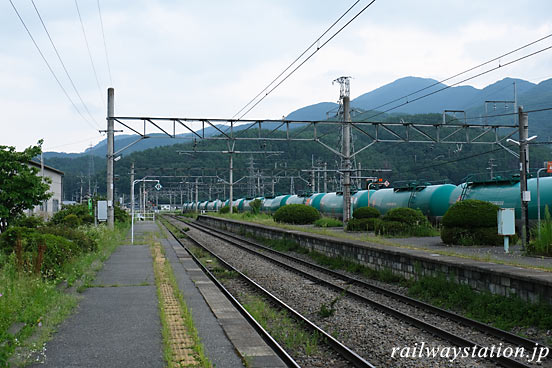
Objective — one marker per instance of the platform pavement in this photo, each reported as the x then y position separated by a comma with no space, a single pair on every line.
117,323
220,326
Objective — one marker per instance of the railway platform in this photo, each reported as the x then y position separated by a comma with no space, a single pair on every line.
117,322
483,268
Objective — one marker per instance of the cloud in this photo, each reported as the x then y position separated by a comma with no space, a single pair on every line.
207,59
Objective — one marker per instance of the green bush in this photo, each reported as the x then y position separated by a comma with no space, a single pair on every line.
296,214
328,222
392,228
366,212
84,242
29,221
362,224
407,216
119,215
71,220
80,210
255,206
471,213
471,222
542,240
225,209
58,250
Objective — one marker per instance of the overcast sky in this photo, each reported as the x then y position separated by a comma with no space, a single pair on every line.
209,58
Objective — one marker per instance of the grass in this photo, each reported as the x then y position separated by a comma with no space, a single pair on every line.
41,304
328,222
377,240
542,237
281,326
500,311
168,276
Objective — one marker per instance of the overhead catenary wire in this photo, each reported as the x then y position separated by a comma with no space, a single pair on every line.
297,59
105,44
90,54
500,115
462,81
462,73
63,65
50,68
418,168
307,59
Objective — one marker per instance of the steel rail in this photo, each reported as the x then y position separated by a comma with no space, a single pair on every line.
343,350
482,327
503,361
277,348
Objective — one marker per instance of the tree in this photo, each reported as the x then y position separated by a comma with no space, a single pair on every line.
20,186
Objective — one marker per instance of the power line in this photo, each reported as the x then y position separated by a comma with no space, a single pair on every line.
90,54
455,160
500,115
461,73
294,61
63,64
105,46
462,81
49,67
308,58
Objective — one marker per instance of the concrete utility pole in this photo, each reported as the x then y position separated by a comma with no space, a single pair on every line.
524,164
132,187
110,150
325,177
231,183
347,160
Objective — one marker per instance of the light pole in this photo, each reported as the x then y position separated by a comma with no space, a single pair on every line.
538,201
132,212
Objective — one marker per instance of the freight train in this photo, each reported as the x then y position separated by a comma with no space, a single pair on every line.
432,200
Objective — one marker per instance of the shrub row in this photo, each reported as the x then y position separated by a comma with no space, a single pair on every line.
471,222
296,214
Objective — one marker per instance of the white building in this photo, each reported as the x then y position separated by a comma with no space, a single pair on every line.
52,205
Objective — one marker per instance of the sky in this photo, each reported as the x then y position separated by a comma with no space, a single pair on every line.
209,58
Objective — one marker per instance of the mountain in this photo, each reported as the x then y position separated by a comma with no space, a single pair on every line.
466,98
154,140
451,98
317,111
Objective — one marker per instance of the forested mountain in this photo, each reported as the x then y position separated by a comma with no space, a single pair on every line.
467,98
408,162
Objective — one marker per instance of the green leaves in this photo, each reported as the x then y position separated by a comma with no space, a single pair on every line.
21,187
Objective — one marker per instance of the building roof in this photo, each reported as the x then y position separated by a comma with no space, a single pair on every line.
46,167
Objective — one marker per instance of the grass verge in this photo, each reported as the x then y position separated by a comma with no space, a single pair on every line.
267,220
507,313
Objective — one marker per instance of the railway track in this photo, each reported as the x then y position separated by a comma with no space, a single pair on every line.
415,307
349,355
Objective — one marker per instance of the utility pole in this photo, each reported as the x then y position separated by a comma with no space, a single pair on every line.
197,191
132,187
491,167
325,177
231,183
110,150
524,157
347,160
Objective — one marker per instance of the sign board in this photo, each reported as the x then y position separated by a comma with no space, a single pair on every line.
158,186
102,210
506,221
386,183
549,167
